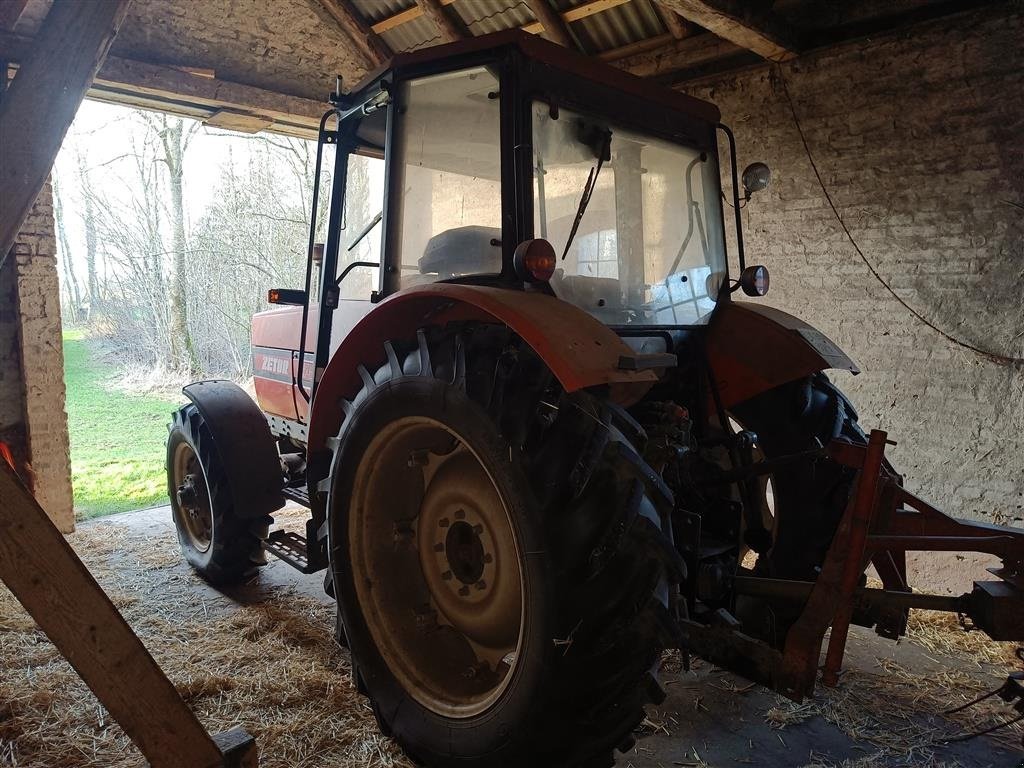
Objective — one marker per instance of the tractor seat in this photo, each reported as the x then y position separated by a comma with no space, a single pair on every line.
462,251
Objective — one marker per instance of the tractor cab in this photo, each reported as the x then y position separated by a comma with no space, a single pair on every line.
451,159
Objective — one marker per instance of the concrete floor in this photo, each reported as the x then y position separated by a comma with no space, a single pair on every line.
710,717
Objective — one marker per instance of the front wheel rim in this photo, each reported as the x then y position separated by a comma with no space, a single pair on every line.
437,567
192,495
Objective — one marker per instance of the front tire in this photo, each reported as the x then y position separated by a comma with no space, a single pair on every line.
220,546
537,640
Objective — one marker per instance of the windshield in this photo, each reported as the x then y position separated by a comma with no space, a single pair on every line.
648,248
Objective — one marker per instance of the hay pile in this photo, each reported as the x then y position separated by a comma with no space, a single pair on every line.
901,711
274,669
271,668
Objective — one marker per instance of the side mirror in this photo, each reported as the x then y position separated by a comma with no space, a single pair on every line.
756,176
755,281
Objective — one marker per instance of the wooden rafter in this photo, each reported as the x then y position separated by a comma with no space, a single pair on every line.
552,23
44,97
673,23
681,54
10,12
575,13
348,20
447,27
738,22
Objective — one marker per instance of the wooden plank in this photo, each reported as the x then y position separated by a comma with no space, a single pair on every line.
583,10
447,27
553,24
678,55
741,24
348,20
238,121
43,98
45,574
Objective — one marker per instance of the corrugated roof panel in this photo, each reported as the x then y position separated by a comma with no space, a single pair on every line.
411,35
378,10
618,26
485,16
622,24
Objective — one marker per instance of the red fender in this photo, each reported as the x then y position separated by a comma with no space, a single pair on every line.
579,350
753,348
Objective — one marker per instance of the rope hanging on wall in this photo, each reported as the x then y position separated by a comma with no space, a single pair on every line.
993,357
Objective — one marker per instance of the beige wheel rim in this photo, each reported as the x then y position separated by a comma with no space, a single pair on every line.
436,567
193,497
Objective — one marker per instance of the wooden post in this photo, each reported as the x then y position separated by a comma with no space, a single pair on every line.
44,97
45,574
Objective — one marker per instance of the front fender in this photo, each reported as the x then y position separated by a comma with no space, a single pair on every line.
242,439
579,350
753,348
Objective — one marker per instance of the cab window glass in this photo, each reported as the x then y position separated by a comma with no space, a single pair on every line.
450,177
361,229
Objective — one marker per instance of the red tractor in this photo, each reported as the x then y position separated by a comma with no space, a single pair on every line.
539,440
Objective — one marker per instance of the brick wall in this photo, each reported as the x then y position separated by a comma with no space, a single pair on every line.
919,138
32,414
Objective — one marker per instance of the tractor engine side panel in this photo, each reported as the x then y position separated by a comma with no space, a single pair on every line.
275,344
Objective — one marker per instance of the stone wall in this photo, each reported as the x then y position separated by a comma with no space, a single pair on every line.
32,416
919,138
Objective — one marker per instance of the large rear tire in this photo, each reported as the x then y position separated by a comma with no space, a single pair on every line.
220,546
497,552
809,496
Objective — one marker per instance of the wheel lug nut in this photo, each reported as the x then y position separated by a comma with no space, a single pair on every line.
481,585
447,575
444,522
464,591
488,558
478,529
460,514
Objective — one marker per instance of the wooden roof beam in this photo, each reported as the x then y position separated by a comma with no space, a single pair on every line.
449,29
186,92
673,22
348,20
43,98
679,55
10,12
738,22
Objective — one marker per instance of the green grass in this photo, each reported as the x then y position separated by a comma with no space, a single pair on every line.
117,439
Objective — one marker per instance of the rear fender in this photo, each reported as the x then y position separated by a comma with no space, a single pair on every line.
579,350
242,440
752,348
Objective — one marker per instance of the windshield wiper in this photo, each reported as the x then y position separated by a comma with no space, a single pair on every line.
366,230
588,188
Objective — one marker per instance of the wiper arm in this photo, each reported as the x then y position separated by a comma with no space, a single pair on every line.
588,189
366,230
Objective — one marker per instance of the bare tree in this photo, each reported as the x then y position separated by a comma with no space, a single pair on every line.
175,138
74,295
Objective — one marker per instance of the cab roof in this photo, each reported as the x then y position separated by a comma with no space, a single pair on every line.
536,48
